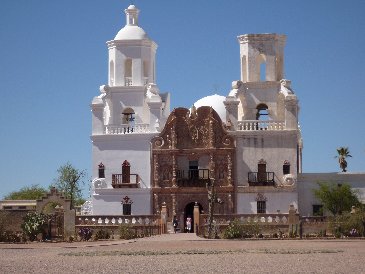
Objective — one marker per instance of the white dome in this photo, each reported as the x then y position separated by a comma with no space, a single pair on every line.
130,32
216,102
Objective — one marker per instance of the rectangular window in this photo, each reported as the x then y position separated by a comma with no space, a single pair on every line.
22,207
317,210
261,206
7,207
127,209
193,170
286,169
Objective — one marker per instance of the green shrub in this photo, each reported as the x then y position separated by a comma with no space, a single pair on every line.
102,234
237,230
34,223
126,232
85,233
234,230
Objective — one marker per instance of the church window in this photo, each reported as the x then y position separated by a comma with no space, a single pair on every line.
261,203
262,112
127,116
111,72
317,210
128,72
286,168
127,209
263,72
101,170
261,67
127,205
261,206
193,169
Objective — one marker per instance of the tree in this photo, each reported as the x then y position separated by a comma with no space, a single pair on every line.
343,153
69,181
336,198
33,192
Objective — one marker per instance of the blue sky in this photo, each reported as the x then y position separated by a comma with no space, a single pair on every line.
53,58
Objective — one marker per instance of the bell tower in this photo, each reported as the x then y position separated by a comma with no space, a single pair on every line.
131,54
262,57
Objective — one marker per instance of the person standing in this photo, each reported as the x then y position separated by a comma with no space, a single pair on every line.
175,223
188,224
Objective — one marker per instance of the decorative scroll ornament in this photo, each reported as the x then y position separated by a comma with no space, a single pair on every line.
126,201
99,183
261,197
289,180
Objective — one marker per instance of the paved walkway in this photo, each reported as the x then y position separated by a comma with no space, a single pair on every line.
185,253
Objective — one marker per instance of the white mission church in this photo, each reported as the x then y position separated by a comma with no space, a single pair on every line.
247,143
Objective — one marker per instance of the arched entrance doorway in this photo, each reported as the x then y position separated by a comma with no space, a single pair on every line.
189,212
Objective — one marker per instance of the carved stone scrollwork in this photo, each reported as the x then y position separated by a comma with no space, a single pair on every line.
212,167
227,140
289,180
155,201
155,170
261,197
173,138
174,166
99,183
173,197
229,165
159,142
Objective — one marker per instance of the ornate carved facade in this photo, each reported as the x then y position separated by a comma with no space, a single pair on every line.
192,150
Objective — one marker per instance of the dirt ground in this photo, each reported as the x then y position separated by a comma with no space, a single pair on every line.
185,253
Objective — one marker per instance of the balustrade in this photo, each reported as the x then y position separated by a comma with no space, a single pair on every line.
127,129
128,81
111,220
267,219
250,125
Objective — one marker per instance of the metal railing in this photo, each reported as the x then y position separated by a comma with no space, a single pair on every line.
261,178
121,180
194,178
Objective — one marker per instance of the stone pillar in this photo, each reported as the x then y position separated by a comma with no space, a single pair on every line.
293,221
163,218
69,224
196,217
230,204
291,112
174,170
231,105
155,171
229,166
173,196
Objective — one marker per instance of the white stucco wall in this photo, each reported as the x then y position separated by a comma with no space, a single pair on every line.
112,150
273,146
109,201
308,181
247,204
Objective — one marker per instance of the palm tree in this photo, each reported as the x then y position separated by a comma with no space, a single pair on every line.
343,153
